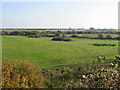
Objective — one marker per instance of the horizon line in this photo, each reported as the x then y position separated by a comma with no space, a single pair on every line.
52,27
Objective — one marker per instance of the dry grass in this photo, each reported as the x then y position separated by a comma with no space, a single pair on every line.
93,35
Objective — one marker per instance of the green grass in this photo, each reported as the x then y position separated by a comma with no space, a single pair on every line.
47,53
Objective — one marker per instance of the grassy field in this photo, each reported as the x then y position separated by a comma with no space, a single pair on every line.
47,53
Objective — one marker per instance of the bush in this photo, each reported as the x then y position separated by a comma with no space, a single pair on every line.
101,58
67,39
103,44
102,78
23,75
95,75
14,33
58,34
31,36
117,57
74,36
61,39
118,38
50,35
108,37
57,39
100,36
34,36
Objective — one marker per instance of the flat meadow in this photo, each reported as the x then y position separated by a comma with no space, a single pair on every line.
46,53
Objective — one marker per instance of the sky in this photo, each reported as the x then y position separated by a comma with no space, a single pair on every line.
59,13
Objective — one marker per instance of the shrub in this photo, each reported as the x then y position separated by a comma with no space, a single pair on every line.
102,77
37,35
108,37
50,35
34,36
95,75
100,58
31,36
99,77
14,33
117,57
100,36
57,34
61,39
67,39
23,75
103,44
74,36
118,38
57,39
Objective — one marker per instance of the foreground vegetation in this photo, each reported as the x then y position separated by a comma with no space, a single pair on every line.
100,74
22,75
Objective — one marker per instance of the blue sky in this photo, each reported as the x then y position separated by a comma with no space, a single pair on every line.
82,14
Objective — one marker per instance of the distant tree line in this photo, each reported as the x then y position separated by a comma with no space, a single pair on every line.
25,33
22,33
37,34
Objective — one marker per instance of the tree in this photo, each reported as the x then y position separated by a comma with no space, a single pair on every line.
58,33
108,37
92,28
100,36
